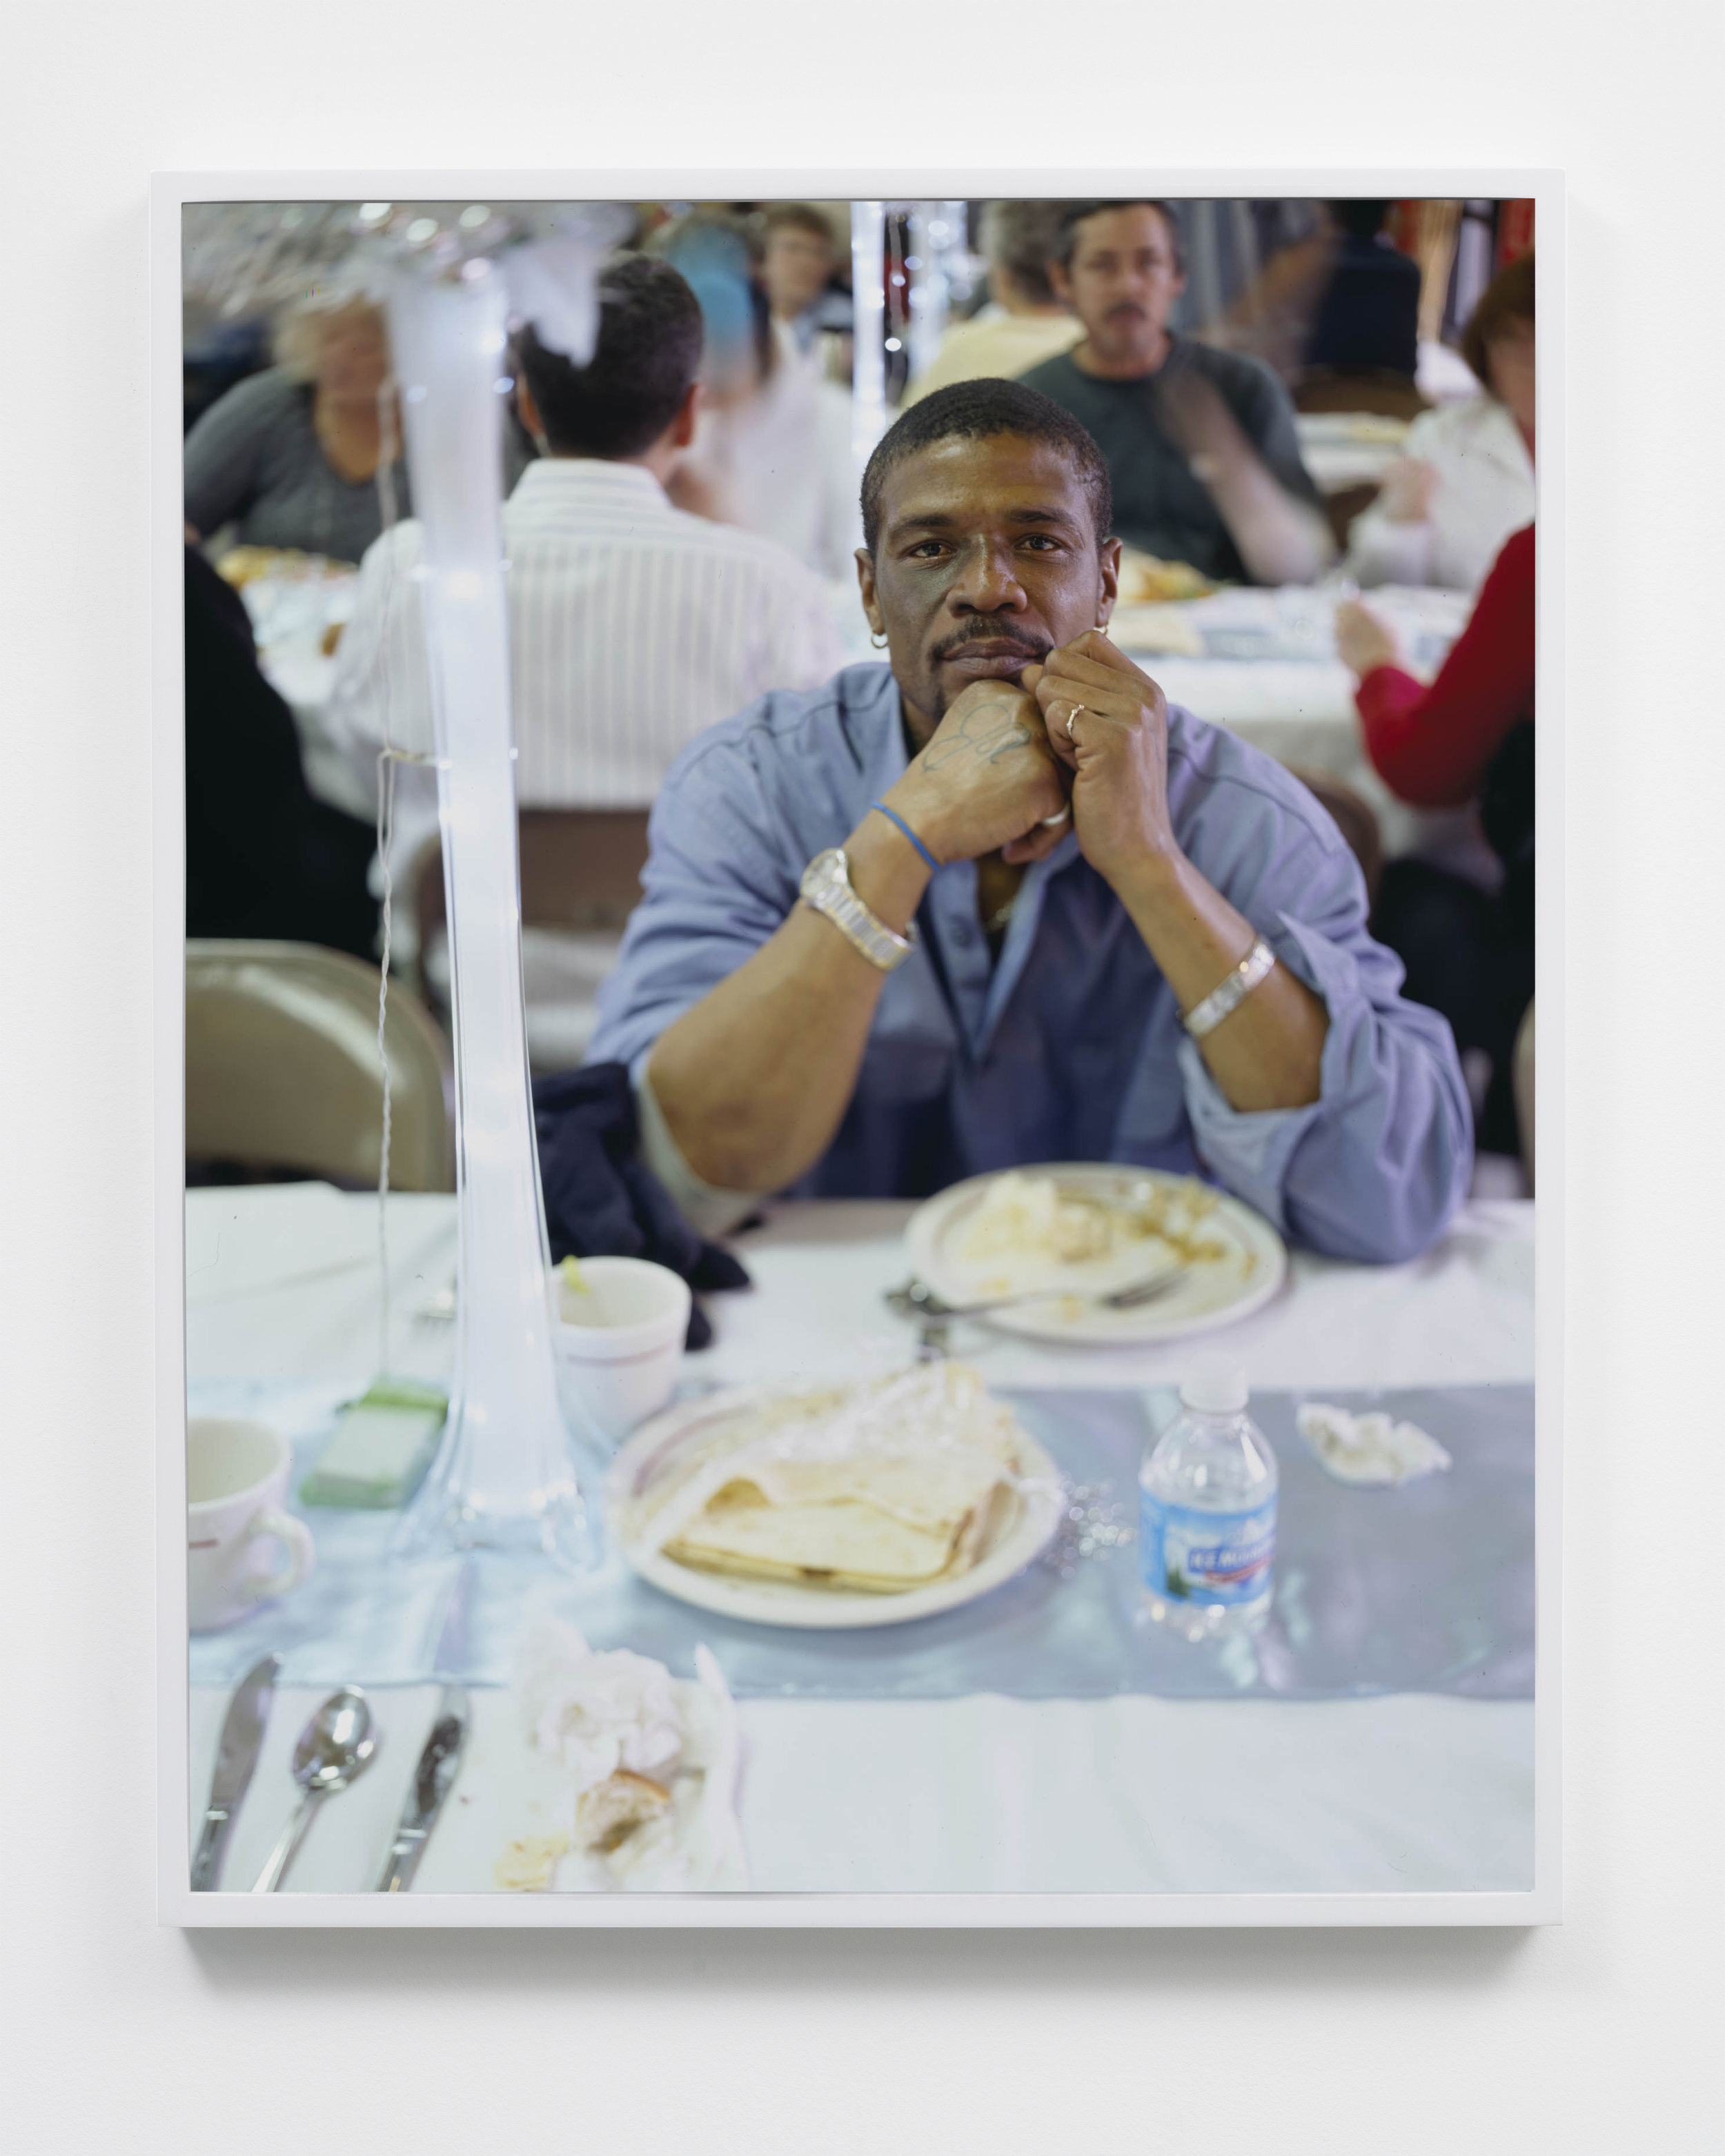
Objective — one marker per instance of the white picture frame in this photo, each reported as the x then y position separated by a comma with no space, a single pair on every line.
1542,1902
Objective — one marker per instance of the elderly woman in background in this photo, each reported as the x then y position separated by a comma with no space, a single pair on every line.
290,457
1465,479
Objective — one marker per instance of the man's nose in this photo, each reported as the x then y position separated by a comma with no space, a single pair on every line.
987,581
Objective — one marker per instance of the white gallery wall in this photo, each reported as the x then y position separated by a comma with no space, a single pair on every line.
118,2036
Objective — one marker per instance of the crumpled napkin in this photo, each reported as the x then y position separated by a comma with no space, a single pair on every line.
1368,1448
586,1716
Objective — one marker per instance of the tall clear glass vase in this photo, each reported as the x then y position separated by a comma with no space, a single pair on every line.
504,1477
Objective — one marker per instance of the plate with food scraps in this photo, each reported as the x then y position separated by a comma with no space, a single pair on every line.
1070,1232
830,1510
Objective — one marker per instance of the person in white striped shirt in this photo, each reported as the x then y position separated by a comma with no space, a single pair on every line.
633,624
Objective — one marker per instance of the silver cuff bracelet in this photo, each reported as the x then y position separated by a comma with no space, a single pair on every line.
1205,1017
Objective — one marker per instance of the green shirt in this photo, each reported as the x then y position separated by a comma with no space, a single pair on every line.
1161,506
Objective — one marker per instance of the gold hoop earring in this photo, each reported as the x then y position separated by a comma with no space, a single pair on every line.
877,643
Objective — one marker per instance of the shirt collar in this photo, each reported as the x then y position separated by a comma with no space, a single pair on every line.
589,479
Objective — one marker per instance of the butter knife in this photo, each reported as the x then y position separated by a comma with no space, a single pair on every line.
440,1762
236,1756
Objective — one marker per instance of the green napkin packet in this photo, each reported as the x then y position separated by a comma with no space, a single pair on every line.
382,1444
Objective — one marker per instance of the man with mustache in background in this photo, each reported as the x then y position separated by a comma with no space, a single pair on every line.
996,903
1200,445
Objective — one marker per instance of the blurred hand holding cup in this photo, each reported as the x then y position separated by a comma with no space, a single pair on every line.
621,1325
236,1492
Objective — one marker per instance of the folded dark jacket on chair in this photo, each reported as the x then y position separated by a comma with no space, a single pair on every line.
602,1199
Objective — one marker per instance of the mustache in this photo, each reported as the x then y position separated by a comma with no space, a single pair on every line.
982,631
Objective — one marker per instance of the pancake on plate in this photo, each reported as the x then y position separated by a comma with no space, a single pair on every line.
879,1489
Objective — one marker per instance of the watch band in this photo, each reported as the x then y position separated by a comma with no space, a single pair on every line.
1205,1017
826,886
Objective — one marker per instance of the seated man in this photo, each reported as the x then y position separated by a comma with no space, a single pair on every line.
632,624
1044,917
1200,445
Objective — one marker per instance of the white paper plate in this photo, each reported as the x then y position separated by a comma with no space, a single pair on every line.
1020,1537
1214,1295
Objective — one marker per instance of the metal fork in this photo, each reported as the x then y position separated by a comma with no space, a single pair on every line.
916,1299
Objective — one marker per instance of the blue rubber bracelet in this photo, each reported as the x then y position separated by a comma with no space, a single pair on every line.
893,817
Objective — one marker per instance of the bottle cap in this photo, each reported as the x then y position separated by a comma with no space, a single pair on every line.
1215,1387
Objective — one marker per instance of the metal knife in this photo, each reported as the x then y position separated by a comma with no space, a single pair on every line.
440,1761
237,1755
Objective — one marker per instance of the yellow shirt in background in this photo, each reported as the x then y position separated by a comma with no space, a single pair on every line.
994,343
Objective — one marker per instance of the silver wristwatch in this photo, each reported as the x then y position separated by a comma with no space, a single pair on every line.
826,886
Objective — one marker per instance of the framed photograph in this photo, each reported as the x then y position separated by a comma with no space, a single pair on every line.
846,930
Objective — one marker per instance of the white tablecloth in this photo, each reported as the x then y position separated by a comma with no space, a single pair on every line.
1296,702
1128,1794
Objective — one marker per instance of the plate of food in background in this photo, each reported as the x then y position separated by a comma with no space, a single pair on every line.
1066,1236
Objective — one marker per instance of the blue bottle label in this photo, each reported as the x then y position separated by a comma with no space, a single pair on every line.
1194,1556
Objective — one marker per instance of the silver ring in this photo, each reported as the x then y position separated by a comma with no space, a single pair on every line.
1049,823
1071,715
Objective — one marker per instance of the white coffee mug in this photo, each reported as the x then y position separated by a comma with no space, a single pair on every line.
236,1493
619,1344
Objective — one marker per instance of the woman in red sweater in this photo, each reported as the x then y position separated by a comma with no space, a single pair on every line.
1469,737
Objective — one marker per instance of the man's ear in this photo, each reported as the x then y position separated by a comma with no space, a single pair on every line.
682,427
1061,282
1109,564
526,411
865,585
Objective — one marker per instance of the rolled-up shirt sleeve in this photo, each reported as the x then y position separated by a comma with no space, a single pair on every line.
1375,1168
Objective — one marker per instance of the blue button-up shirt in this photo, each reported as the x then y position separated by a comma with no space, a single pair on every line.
1070,1048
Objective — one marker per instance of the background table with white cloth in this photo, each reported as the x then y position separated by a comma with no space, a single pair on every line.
1128,1793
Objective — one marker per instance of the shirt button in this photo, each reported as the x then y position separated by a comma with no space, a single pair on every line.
961,935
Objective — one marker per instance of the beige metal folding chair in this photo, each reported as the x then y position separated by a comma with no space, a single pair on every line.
282,1068
581,880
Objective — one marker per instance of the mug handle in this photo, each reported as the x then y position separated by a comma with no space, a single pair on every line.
301,1557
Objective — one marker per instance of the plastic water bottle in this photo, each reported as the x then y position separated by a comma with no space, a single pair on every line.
1207,1512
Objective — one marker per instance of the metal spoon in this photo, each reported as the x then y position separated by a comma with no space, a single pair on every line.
335,1749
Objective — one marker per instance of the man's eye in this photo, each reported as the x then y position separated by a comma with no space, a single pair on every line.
926,548
1043,541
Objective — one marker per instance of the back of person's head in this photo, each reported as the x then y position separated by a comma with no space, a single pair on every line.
1021,237
1073,213
1358,219
1506,305
646,357
977,411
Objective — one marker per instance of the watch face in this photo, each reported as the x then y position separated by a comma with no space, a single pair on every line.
824,869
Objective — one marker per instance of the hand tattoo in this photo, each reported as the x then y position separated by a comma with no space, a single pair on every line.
987,733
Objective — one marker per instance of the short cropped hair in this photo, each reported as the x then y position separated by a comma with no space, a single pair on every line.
1021,237
798,216
647,355
1506,300
977,411
1073,214
1357,214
